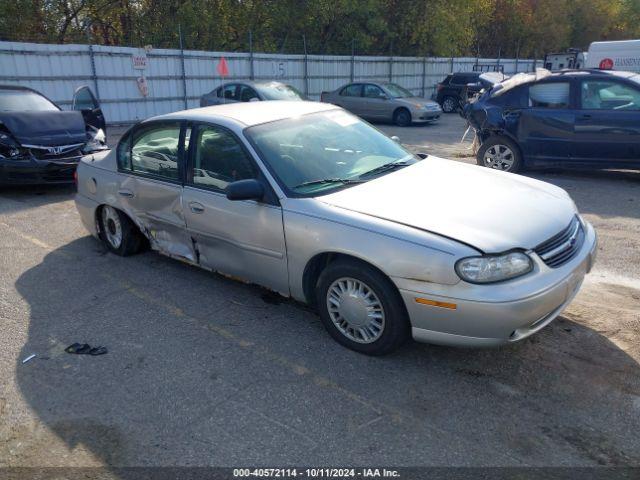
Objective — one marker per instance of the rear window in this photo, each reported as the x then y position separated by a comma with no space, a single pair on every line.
24,101
464,78
549,95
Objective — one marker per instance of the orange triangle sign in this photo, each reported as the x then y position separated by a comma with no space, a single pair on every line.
222,68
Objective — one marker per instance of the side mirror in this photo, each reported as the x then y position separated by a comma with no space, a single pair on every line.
250,189
395,138
422,155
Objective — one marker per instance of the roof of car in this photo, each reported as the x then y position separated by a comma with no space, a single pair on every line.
16,87
253,83
250,113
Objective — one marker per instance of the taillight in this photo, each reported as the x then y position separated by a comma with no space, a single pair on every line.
75,177
439,87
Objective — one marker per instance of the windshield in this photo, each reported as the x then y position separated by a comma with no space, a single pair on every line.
397,91
24,101
321,152
279,91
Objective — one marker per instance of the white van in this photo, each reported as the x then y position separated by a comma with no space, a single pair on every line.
620,55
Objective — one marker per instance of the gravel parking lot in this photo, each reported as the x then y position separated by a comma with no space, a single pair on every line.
203,370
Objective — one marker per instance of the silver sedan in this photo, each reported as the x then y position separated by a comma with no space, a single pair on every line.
384,101
310,201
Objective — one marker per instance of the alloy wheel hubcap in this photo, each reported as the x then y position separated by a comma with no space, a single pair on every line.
499,157
355,310
448,105
112,227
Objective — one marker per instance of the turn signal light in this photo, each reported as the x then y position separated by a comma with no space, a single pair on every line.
435,303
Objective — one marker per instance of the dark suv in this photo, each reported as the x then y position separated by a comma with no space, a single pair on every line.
455,89
583,118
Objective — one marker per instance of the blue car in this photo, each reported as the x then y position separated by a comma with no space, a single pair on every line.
585,118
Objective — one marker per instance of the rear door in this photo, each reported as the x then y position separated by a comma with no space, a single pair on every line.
546,127
151,163
350,97
242,238
608,121
85,102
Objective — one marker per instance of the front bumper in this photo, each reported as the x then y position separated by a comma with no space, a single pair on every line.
29,170
424,115
512,311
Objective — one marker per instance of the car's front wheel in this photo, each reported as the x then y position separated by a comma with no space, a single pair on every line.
402,117
500,153
361,308
118,232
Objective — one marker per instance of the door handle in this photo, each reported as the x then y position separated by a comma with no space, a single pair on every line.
584,116
126,193
196,207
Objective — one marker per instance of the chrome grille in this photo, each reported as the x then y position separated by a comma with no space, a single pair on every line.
562,247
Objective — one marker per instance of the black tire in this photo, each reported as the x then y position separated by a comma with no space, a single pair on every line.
449,104
396,327
131,240
402,117
500,144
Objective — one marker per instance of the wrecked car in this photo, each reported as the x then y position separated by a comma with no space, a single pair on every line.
587,118
39,142
309,201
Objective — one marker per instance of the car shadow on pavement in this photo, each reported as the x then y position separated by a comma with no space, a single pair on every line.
201,370
16,198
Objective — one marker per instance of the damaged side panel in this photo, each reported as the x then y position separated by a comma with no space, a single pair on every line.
156,207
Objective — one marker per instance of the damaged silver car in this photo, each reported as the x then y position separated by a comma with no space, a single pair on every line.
310,201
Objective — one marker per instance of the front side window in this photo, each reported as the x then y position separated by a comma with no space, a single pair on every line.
229,92
24,101
354,90
608,95
549,95
373,91
320,152
219,159
155,151
84,100
247,94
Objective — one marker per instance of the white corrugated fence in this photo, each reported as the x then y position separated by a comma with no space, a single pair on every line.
176,79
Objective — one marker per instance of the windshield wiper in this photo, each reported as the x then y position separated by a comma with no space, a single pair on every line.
344,181
386,167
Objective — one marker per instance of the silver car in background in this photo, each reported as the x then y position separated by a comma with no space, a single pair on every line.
384,101
250,91
310,201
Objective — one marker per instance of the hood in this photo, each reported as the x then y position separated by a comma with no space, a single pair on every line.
411,101
45,128
489,210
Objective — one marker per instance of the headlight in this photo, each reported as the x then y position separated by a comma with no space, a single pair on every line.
493,268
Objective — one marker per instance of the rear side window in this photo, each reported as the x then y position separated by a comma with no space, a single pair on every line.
155,151
352,90
549,95
464,79
515,98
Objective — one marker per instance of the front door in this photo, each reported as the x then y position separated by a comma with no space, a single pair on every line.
85,102
375,103
545,129
608,122
243,238
150,187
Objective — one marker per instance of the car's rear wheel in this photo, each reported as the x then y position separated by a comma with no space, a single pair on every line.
402,117
361,309
500,153
118,232
449,105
